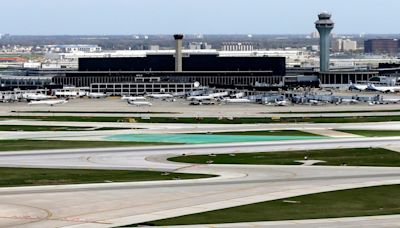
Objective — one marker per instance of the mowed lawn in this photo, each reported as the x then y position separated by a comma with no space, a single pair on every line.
13,177
373,133
24,144
381,200
333,157
53,128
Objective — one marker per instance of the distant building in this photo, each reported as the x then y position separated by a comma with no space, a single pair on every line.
344,45
152,47
314,35
313,48
349,45
199,46
72,48
381,46
237,46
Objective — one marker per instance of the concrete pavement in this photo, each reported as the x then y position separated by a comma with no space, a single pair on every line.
113,204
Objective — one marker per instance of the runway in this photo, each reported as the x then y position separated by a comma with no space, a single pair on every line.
114,204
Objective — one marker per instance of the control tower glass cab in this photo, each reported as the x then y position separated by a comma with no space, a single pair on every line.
324,26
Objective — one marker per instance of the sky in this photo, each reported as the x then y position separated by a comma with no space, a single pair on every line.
124,17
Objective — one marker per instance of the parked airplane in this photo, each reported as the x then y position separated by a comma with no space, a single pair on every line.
160,95
236,100
129,98
280,103
349,101
139,103
357,87
48,102
74,93
384,89
96,95
216,95
199,98
212,96
238,95
313,102
205,101
35,97
390,100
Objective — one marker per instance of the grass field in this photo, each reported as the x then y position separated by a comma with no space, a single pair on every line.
98,112
52,128
345,111
373,133
267,133
12,177
212,120
381,200
23,144
333,157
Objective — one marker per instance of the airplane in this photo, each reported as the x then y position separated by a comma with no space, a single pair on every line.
238,95
236,100
179,94
70,93
349,101
212,96
96,95
160,95
221,94
139,103
204,101
35,97
199,98
357,87
129,98
280,103
384,89
390,100
48,102
313,102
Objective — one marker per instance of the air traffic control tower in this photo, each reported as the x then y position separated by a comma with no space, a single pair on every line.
178,52
324,26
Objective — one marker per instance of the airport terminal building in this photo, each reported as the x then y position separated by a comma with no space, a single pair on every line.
135,75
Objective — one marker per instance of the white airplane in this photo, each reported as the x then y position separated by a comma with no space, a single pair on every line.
384,89
221,94
349,101
200,98
313,102
70,93
236,100
280,103
390,100
160,95
205,101
179,94
239,95
96,95
357,87
35,97
48,102
139,103
129,98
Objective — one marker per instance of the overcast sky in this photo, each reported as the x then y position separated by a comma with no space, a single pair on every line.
113,17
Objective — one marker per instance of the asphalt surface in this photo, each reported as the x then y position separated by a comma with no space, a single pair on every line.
113,204
181,108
